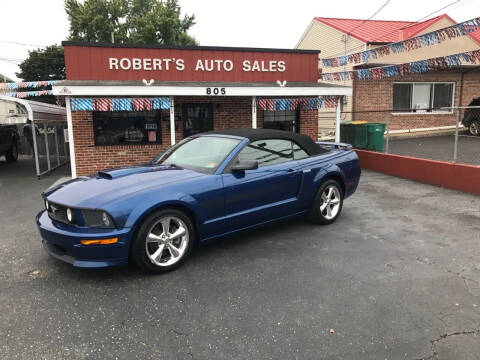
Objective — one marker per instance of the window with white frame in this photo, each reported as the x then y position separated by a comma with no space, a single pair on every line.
422,97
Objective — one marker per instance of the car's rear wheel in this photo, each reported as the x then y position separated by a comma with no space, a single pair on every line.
163,242
328,203
474,128
12,154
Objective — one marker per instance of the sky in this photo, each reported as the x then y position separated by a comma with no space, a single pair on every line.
246,23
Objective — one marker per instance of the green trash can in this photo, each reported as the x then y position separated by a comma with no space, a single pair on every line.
375,133
346,133
360,135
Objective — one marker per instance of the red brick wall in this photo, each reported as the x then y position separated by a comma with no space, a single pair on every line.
309,123
228,112
373,98
90,158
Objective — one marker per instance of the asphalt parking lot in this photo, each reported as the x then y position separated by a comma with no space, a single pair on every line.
396,277
439,148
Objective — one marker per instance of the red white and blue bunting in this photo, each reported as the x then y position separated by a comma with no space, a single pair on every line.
120,104
431,38
26,84
25,94
415,67
327,102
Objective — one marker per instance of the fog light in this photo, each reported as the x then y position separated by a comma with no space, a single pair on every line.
69,215
99,241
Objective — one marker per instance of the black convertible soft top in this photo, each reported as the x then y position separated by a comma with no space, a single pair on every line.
304,141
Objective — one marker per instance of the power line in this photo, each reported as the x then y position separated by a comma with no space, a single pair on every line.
370,18
22,44
352,50
453,3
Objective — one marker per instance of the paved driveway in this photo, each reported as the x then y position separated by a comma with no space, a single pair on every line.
439,148
396,277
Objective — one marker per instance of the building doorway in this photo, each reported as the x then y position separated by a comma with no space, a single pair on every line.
288,120
197,118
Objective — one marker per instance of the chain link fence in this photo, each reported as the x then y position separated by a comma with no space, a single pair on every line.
50,147
447,134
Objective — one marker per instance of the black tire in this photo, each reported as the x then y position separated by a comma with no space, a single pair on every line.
474,128
12,154
321,216
140,249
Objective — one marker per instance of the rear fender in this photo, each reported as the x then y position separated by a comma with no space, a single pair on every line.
332,172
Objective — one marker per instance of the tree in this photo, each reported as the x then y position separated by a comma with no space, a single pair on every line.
43,64
130,21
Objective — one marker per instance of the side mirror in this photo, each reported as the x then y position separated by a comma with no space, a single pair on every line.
242,165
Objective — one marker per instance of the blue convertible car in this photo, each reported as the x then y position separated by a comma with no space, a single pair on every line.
207,186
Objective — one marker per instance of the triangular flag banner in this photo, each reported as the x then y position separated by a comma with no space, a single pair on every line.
435,37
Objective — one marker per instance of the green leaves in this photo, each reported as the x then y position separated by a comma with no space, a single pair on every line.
43,64
130,21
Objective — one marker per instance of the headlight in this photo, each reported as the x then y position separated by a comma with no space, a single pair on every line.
47,205
98,219
69,215
106,220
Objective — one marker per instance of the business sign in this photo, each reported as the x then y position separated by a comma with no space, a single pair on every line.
205,64
156,64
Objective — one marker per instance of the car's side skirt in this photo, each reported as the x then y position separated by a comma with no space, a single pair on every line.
246,228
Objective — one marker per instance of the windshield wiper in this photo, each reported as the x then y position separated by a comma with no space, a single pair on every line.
174,165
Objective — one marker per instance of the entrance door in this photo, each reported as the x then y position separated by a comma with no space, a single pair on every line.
197,118
287,120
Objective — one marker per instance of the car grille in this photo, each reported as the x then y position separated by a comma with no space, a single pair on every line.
58,212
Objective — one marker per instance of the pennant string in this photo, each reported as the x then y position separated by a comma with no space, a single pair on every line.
415,67
275,104
435,37
26,84
120,104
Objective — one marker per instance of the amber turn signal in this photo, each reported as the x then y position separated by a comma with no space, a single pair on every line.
99,242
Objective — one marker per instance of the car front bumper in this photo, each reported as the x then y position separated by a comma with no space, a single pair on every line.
62,241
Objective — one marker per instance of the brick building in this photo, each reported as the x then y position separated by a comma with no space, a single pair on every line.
374,100
126,104
402,96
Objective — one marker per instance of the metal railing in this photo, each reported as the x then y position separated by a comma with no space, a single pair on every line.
50,148
410,139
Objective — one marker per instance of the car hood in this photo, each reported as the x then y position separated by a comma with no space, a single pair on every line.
110,185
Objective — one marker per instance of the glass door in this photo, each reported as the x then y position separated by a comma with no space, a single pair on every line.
287,120
197,118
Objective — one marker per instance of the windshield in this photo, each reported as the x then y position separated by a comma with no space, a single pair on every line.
201,153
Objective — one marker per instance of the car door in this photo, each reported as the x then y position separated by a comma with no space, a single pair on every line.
269,192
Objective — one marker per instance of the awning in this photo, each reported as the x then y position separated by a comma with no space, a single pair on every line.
187,88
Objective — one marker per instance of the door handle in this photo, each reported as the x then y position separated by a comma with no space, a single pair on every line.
291,170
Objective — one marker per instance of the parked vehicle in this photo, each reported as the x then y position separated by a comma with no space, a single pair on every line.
9,142
207,186
471,118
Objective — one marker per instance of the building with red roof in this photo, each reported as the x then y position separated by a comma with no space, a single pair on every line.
372,100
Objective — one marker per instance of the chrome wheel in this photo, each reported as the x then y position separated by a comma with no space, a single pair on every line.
330,205
167,240
474,128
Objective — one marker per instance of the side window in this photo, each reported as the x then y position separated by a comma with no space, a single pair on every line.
298,152
268,152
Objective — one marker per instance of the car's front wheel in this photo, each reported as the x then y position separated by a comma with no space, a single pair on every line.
163,242
12,154
474,128
328,203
